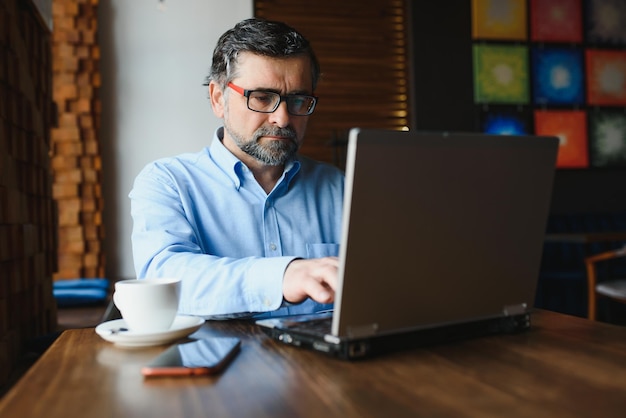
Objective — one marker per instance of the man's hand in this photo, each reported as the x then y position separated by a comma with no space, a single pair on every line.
315,278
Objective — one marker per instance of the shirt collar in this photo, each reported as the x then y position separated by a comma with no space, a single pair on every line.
233,167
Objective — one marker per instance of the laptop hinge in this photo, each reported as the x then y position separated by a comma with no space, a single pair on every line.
362,330
511,310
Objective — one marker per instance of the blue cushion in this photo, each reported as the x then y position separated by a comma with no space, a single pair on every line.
80,292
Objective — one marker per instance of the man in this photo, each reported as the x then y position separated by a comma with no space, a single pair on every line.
250,227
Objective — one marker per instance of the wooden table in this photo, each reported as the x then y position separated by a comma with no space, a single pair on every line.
564,366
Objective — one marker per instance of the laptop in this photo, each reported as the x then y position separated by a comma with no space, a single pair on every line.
442,239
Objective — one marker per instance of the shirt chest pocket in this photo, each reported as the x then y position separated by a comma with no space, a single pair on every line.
322,250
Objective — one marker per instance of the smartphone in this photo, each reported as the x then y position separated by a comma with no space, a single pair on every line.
200,357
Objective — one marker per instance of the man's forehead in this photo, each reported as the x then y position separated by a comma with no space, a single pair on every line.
246,57
296,68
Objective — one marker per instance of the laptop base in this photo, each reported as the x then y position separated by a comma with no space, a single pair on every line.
360,348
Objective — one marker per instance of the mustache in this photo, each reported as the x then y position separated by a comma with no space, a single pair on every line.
287,132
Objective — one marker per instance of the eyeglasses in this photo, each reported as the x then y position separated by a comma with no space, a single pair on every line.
268,101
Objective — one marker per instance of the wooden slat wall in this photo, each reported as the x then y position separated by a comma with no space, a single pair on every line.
27,213
363,52
76,159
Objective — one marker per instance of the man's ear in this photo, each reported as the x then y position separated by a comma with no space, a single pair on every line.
216,94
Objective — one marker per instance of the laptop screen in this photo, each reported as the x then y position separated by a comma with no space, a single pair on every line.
440,228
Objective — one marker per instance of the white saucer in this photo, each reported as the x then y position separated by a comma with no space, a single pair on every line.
113,331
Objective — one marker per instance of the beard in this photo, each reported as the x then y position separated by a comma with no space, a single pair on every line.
272,153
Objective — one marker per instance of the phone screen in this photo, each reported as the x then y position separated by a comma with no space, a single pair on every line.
205,356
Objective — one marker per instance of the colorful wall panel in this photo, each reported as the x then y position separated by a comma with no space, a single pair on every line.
501,74
499,19
570,126
555,21
606,22
606,77
607,135
554,67
506,121
557,76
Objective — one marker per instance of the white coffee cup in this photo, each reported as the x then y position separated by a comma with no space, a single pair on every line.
148,305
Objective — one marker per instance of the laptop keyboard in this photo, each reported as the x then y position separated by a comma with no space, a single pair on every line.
312,326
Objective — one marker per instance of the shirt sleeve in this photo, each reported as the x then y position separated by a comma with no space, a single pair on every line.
165,245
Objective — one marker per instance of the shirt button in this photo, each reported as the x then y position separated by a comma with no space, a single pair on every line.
273,247
267,302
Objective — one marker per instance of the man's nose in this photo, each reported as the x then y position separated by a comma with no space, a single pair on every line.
280,116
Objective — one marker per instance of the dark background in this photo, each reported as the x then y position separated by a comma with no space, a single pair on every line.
443,100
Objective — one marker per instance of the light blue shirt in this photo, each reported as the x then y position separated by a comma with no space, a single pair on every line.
204,218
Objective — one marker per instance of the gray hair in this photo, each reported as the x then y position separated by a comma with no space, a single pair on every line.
262,37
